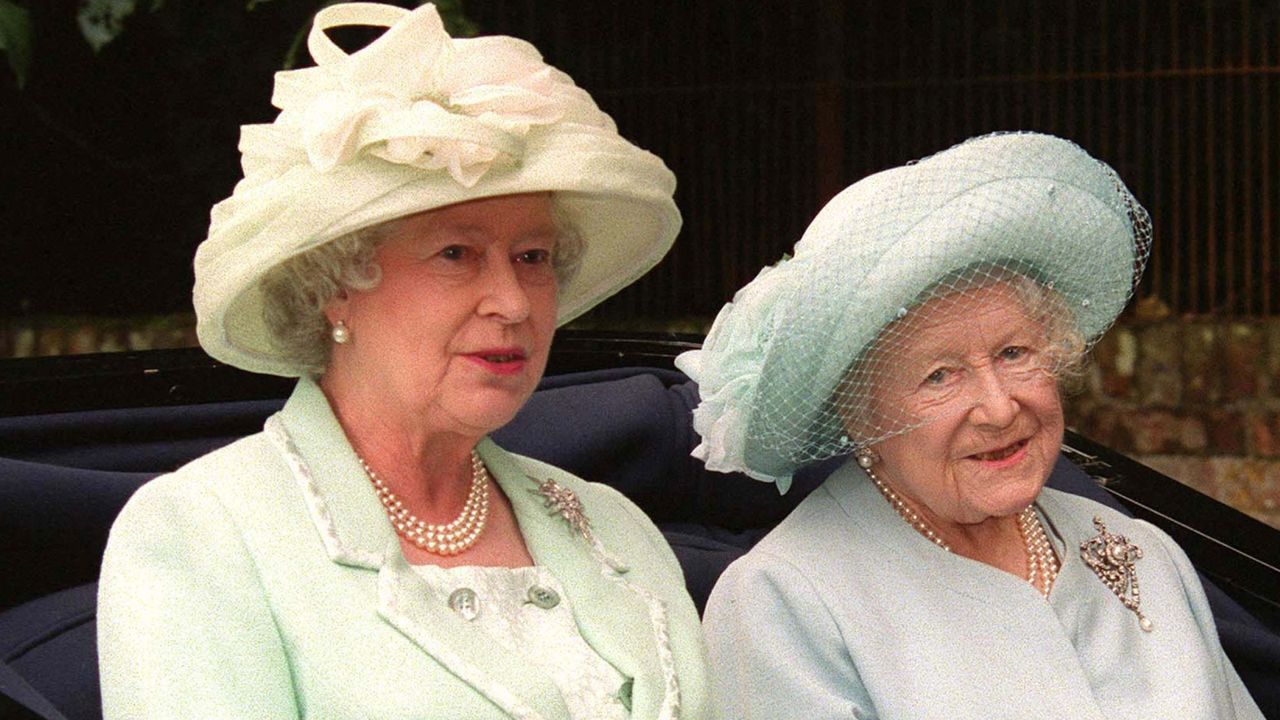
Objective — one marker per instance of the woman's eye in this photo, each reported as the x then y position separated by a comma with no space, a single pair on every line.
1014,352
454,252
937,377
534,257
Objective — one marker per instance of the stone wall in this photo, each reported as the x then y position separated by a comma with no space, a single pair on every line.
1195,398
44,336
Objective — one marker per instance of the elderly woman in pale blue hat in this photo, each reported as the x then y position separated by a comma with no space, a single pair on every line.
922,329
409,232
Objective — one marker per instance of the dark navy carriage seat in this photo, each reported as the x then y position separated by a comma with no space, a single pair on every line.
63,478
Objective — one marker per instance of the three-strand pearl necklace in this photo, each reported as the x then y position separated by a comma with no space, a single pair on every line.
448,539
1042,561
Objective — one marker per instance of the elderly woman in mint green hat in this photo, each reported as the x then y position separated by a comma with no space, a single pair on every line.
922,328
409,232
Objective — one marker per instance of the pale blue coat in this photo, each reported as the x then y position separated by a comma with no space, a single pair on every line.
845,611
264,581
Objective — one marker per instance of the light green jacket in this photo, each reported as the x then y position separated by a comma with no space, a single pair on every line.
264,581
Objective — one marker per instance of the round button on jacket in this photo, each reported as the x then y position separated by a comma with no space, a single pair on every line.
465,602
545,598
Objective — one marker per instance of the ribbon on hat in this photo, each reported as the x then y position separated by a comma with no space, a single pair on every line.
415,96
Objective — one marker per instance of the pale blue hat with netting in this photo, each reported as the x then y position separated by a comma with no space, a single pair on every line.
780,368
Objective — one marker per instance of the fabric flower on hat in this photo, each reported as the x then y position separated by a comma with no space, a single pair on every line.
727,370
421,98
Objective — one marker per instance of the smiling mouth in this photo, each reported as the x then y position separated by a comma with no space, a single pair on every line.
1001,453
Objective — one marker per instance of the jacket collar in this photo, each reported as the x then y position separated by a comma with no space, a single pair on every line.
624,623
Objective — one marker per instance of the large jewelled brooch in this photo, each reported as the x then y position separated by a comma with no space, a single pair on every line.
1111,558
564,502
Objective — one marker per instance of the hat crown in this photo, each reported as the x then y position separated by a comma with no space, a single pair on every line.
414,96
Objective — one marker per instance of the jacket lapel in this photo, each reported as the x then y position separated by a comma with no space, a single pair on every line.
617,618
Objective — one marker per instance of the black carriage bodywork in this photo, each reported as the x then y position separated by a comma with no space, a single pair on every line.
53,538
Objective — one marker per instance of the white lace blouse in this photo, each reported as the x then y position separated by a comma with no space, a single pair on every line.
526,610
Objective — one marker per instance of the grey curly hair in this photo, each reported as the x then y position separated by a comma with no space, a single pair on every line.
296,292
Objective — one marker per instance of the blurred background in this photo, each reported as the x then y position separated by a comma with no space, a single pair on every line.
119,122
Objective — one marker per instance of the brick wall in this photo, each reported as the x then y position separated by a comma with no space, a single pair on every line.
1195,398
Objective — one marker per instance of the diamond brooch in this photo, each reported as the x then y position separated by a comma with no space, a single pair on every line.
564,502
1111,558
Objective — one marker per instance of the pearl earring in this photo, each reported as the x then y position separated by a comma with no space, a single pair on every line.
866,457
341,333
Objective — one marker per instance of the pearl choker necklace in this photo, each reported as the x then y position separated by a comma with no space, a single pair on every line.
1042,562
451,538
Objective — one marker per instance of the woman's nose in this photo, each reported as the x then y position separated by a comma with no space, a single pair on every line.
502,294
995,405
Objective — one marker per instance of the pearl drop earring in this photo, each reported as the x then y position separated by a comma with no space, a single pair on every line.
866,457
341,333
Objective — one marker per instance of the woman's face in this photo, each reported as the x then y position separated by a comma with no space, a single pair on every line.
972,370
456,333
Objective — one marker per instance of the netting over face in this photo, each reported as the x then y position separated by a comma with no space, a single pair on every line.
916,294
984,335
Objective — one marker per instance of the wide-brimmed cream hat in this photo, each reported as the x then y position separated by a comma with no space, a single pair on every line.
780,369
418,120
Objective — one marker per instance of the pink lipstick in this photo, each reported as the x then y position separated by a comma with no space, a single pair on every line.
500,361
